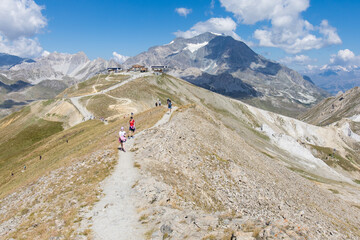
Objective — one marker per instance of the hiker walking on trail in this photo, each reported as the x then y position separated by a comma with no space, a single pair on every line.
132,127
122,138
159,103
169,105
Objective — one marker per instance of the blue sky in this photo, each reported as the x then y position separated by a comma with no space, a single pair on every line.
301,33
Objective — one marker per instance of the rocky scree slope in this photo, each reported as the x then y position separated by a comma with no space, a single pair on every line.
202,180
333,109
227,66
210,172
247,127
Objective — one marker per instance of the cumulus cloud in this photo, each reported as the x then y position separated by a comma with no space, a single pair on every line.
298,59
288,30
224,26
345,58
24,47
20,21
183,11
119,58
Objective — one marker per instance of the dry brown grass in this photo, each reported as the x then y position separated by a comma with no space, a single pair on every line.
83,140
86,87
99,105
137,165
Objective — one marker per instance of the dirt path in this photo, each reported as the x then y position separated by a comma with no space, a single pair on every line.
84,112
115,216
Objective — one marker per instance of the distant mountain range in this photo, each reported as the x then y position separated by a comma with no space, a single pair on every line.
44,77
227,66
7,61
334,79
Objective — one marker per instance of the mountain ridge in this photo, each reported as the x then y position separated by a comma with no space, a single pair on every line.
7,60
196,58
46,77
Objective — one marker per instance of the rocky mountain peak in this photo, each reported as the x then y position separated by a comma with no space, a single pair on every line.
228,66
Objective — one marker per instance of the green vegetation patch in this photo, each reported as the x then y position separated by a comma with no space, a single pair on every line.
334,191
333,158
48,102
99,105
356,181
22,142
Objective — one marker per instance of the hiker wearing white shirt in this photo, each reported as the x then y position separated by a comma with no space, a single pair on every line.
122,138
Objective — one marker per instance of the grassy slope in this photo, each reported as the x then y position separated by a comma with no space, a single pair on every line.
86,87
93,135
84,141
50,142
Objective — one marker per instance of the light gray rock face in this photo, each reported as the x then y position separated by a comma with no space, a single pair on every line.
58,66
45,77
227,66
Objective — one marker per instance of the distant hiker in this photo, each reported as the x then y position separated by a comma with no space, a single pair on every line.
159,102
12,174
67,141
169,105
156,104
132,127
24,167
122,138
40,157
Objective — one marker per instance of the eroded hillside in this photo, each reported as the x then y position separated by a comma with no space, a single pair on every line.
218,167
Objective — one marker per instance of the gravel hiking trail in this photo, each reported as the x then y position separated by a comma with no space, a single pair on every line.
87,114
115,216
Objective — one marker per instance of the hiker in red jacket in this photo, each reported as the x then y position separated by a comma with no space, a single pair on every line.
132,127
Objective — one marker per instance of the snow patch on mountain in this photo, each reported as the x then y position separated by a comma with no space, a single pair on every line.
193,47
254,65
308,98
355,118
348,132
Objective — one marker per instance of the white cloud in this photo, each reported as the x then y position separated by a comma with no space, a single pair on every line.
250,12
288,30
119,58
20,21
20,18
345,58
183,11
225,26
329,32
24,47
298,59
